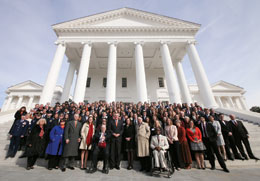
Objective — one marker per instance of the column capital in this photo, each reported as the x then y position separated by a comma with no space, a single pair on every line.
139,43
86,42
63,43
191,42
112,43
165,42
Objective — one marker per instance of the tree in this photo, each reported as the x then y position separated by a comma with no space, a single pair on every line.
255,109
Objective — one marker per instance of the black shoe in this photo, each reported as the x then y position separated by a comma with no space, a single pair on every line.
128,168
93,170
111,168
71,168
49,168
213,168
28,168
225,170
117,167
253,157
246,157
63,169
142,169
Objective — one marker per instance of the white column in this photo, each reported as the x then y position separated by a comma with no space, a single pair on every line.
53,74
201,77
230,102
4,104
111,74
219,101
29,105
237,102
185,92
243,103
10,98
19,102
170,77
80,88
140,73
68,82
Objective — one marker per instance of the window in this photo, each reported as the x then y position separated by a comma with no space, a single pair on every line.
161,82
88,82
124,82
104,82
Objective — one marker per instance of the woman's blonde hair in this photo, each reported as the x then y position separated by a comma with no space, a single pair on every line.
42,119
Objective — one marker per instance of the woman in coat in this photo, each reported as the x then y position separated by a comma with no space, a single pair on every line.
220,139
184,146
196,144
87,133
55,146
129,133
36,143
142,139
171,133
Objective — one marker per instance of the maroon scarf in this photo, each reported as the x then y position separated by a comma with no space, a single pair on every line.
90,133
42,132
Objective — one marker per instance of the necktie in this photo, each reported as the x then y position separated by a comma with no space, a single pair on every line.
204,130
75,124
116,122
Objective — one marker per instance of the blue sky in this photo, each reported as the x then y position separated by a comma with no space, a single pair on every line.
228,41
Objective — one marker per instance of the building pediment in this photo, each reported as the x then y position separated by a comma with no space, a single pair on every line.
27,85
125,19
222,86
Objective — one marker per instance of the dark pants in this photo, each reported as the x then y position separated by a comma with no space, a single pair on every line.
239,145
175,154
67,162
31,160
145,163
14,145
53,161
104,152
115,157
211,148
230,143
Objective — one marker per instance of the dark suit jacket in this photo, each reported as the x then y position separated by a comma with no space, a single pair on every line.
225,128
211,132
119,129
238,130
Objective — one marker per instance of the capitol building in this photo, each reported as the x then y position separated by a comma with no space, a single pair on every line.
126,55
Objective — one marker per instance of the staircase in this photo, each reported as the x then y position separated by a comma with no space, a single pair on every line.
254,132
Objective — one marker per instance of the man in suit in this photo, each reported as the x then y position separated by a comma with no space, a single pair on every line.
229,139
116,129
17,132
159,144
209,138
241,135
101,145
72,140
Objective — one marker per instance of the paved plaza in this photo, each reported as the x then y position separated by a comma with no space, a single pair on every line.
40,173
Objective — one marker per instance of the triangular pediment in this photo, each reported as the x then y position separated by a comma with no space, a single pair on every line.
27,85
126,18
222,85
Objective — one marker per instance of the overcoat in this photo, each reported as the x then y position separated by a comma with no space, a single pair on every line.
142,139
56,142
73,134
37,143
84,134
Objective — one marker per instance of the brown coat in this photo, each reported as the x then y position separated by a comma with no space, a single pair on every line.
84,134
142,139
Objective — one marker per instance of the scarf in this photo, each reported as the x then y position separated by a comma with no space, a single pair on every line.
90,133
42,132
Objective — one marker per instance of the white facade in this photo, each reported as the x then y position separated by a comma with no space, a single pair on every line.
26,94
138,48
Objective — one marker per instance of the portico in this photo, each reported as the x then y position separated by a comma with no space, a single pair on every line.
141,50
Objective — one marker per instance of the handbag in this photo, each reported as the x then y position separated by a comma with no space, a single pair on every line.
102,144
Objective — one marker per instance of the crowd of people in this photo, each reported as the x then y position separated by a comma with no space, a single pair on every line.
110,132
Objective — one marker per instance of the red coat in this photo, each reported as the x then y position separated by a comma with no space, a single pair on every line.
192,135
182,134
